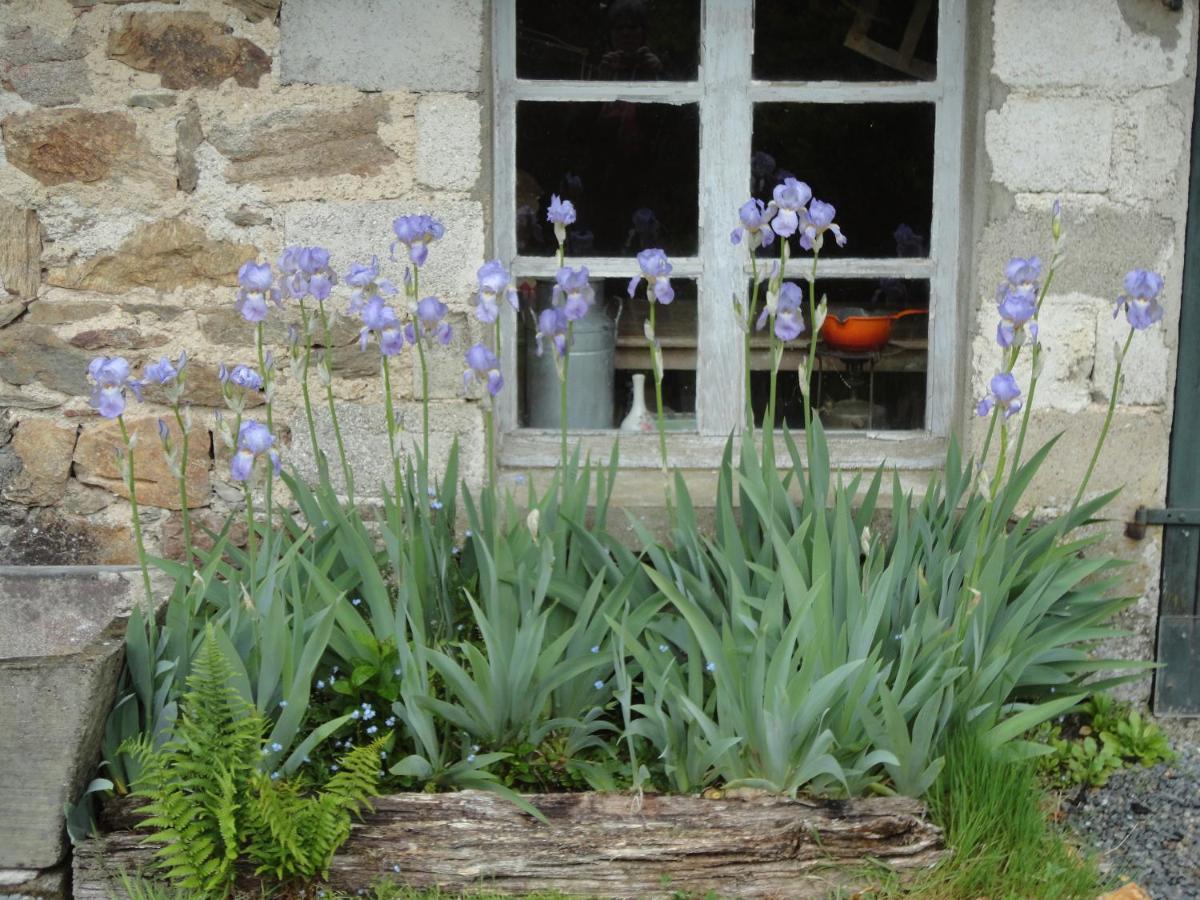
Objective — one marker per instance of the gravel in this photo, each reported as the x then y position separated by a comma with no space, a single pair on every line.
1146,823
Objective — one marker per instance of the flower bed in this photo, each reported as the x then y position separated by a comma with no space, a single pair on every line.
340,654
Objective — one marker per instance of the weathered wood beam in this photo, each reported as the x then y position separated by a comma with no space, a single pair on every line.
599,845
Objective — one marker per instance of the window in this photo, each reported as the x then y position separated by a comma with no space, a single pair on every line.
658,119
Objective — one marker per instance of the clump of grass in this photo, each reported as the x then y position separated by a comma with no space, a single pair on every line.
1003,844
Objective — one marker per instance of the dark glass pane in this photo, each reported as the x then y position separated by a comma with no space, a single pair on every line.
845,40
631,169
623,40
609,349
858,381
872,161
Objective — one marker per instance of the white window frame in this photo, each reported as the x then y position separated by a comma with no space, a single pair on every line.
726,92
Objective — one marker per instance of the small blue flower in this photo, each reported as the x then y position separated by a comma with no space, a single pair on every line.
283,704
372,729
598,684
470,757
274,776
396,867
368,711
355,714
307,760
396,671
663,648
277,747
266,750
435,504
320,685
357,601
468,533
390,721
710,667
596,649
334,767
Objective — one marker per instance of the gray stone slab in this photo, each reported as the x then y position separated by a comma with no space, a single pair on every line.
61,646
378,45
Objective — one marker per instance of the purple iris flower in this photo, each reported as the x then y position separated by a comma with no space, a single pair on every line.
484,367
243,377
561,213
552,326
367,284
1017,307
1004,393
255,280
416,233
306,273
655,269
1020,271
788,199
1142,288
572,292
253,440
376,316
756,217
164,372
789,320
391,340
494,282
110,376
817,221
431,320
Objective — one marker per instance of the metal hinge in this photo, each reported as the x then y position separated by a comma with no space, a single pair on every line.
1176,515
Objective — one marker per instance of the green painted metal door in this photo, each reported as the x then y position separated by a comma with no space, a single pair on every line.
1177,683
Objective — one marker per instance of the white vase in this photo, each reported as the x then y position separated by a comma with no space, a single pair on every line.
639,418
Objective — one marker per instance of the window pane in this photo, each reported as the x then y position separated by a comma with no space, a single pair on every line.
845,40
624,40
631,169
609,349
860,380
873,161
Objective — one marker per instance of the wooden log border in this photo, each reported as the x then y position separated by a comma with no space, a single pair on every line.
597,845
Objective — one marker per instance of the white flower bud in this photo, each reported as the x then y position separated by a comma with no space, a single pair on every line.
531,522
821,315
864,542
648,331
985,486
324,374
187,417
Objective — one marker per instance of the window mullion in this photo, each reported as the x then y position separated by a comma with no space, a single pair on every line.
727,46
504,192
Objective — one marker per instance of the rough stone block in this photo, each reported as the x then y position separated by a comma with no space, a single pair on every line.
60,655
20,251
1051,143
376,45
48,537
1146,368
32,884
1150,144
355,231
41,69
448,141
56,146
365,434
32,353
96,462
160,255
45,448
1094,43
186,50
305,140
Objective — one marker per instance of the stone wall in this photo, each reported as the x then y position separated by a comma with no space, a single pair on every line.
148,149
1089,101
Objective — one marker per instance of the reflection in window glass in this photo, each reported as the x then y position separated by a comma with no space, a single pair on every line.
609,349
631,169
871,360
845,40
873,161
620,40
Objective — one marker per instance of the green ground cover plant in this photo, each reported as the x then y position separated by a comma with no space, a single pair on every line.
464,637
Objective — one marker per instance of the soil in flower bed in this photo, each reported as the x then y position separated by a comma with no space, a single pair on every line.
598,845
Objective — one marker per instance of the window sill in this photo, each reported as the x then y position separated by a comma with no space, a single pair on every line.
532,449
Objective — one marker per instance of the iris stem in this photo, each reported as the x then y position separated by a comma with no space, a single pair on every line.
814,338
750,310
489,444
304,389
137,522
1108,417
327,361
390,414
250,538
1035,354
183,494
562,412
656,364
418,332
268,393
